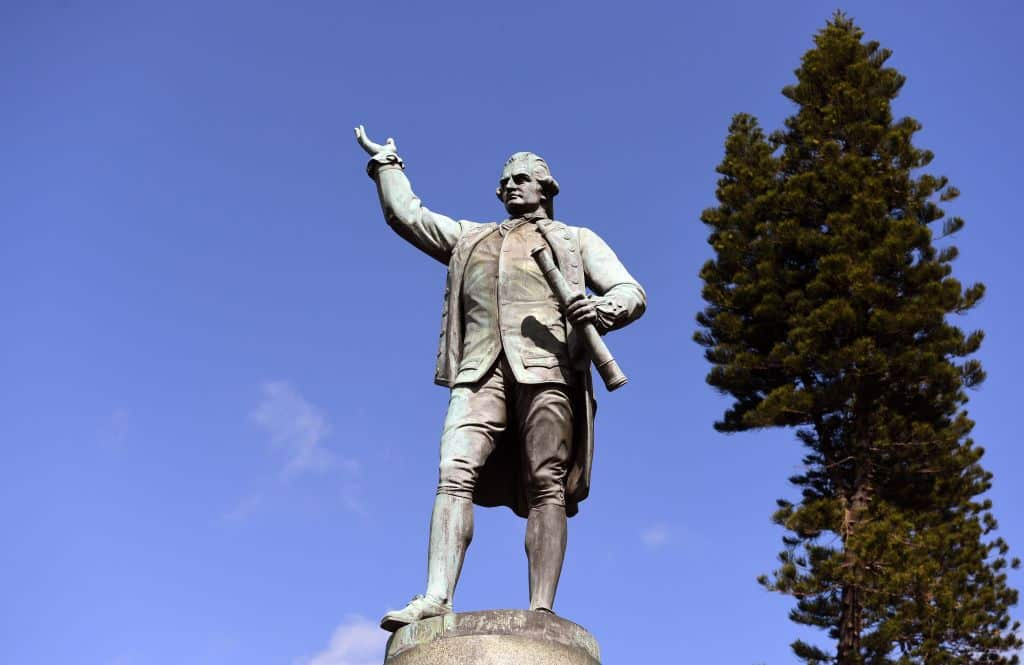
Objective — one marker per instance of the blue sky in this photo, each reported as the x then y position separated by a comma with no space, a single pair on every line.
218,424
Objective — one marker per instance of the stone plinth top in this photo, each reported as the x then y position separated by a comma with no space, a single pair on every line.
493,637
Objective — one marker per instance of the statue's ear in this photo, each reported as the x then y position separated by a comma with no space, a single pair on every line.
497,193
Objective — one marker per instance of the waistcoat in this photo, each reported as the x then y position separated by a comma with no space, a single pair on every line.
508,306
540,344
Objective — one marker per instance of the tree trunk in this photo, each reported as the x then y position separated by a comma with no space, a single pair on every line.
851,604
848,651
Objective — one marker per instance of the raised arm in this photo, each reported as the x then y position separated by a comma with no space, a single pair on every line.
431,232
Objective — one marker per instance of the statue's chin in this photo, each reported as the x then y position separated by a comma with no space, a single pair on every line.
516,210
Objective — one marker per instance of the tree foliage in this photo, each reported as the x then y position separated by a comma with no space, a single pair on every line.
829,301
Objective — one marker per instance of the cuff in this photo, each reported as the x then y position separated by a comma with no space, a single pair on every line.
609,313
383,159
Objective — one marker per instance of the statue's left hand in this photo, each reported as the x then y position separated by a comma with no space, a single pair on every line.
582,310
374,148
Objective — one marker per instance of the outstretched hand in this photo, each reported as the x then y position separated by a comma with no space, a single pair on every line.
371,147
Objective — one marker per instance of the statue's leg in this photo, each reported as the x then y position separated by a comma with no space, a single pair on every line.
544,414
451,530
476,418
546,536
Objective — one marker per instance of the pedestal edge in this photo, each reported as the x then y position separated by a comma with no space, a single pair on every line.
539,626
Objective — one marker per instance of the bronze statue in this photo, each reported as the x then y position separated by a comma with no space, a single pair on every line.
519,428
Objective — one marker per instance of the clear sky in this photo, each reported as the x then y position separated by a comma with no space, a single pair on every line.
218,424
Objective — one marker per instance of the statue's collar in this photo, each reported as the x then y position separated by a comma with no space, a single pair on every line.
510,224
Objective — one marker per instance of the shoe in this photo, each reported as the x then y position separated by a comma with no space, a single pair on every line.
419,608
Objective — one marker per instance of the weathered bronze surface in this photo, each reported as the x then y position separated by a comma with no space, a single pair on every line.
605,364
516,356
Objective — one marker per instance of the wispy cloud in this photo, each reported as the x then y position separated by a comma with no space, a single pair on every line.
295,426
114,432
356,641
245,507
655,536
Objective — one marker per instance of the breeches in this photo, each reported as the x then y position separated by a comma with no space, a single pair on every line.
478,416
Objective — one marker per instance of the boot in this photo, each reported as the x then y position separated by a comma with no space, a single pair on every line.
546,535
451,530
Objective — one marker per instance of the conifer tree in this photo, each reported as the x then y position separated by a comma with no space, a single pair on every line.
828,306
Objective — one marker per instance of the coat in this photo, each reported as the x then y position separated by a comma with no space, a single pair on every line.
585,260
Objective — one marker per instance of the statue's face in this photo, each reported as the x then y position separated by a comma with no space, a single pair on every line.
521,193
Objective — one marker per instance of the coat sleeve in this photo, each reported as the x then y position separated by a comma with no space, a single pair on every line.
621,299
429,231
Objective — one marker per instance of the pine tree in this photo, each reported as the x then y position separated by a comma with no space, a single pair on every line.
828,306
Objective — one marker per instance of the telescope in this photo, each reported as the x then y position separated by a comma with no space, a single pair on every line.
604,362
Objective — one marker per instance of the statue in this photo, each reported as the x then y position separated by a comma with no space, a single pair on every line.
519,427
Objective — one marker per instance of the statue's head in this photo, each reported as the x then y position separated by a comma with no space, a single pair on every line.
526,185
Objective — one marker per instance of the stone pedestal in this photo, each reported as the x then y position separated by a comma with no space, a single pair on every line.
493,637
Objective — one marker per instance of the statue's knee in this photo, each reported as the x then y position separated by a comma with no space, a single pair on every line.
448,470
455,477
545,490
